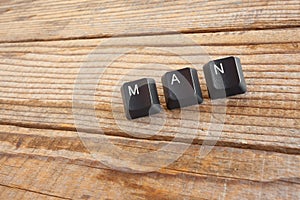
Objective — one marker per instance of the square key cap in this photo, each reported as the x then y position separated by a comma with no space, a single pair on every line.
182,88
140,98
224,78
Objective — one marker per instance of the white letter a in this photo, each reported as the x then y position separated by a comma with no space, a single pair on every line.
174,78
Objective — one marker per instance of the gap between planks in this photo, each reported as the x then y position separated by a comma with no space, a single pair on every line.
43,194
187,32
196,141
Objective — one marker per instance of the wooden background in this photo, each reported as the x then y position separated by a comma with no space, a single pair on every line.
44,43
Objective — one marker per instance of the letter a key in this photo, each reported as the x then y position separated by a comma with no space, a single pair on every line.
182,88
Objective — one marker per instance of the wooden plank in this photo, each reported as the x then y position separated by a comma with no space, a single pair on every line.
51,20
67,144
266,118
44,43
229,173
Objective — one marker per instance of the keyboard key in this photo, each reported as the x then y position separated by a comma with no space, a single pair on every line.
182,88
224,78
140,98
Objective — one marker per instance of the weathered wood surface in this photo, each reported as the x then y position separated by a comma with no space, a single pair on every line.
44,44
54,19
63,168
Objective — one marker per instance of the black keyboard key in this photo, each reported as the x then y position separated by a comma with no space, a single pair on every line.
140,98
224,78
182,88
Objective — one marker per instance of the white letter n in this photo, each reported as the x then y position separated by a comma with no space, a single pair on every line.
220,69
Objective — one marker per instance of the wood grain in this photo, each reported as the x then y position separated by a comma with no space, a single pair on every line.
45,44
224,172
24,20
19,193
36,92
266,118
